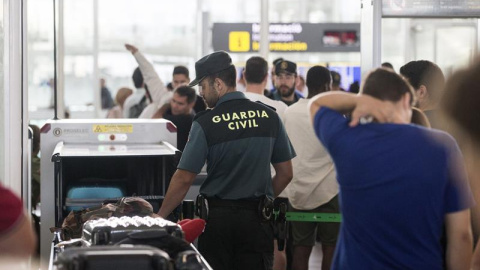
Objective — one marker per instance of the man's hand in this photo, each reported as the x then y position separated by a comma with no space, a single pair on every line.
178,188
359,106
368,107
131,48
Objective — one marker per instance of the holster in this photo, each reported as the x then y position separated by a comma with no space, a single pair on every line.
265,208
201,207
280,225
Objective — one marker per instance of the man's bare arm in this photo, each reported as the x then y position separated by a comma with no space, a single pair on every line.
358,105
459,240
283,176
179,185
155,85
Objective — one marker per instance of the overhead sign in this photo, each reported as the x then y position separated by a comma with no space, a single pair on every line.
287,37
431,8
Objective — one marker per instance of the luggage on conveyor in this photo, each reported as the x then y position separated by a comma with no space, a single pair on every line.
82,197
72,225
123,257
115,229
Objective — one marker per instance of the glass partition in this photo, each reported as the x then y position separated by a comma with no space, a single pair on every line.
450,43
169,33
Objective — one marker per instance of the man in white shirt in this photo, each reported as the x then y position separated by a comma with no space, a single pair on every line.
159,93
313,188
256,77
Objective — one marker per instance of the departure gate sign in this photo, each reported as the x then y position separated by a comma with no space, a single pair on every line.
287,37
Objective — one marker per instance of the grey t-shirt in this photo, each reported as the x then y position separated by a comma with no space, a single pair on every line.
238,139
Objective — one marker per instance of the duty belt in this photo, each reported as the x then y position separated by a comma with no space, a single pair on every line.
245,204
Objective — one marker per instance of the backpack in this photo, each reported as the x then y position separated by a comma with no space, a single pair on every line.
128,206
136,110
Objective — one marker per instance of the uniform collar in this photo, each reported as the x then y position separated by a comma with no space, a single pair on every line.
231,96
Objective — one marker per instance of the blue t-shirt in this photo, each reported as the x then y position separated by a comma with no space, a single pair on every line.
397,182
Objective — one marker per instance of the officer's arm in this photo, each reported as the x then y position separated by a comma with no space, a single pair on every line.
459,240
179,185
283,175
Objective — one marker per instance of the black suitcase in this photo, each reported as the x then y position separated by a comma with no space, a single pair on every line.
115,229
123,257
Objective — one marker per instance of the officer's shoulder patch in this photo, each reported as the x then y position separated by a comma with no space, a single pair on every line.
202,113
259,102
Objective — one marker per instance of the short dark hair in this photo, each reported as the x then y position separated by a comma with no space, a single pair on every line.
228,76
354,87
256,69
387,65
137,78
385,84
336,77
317,78
187,91
181,70
423,72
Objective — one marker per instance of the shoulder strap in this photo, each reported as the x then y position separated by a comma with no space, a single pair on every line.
259,102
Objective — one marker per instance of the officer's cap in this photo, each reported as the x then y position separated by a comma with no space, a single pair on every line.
210,65
285,67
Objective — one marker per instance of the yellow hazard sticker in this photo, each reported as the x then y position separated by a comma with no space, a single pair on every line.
113,128
239,41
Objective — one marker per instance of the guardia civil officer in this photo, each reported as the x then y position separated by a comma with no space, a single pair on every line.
239,139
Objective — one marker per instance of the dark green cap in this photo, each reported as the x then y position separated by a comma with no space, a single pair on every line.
285,66
210,65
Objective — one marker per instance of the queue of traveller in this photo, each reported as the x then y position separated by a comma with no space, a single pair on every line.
400,185
358,157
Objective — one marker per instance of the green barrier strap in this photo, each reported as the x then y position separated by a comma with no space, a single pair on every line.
313,217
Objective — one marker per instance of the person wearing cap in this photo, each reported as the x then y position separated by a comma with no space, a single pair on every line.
272,74
286,76
239,139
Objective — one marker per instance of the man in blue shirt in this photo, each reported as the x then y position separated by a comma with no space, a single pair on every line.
399,183
238,139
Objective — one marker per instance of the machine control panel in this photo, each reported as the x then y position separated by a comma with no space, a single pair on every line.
105,137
